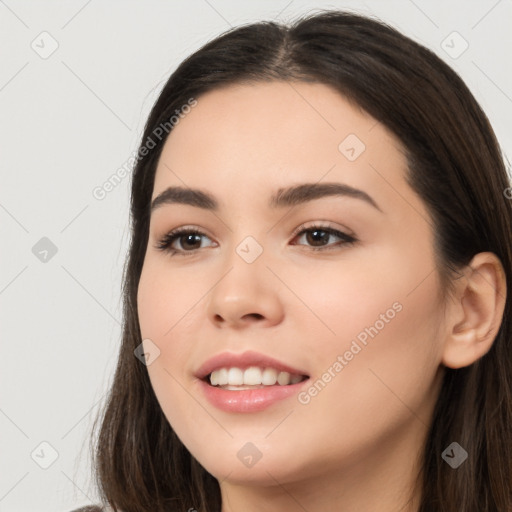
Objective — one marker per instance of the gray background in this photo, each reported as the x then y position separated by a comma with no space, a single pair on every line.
69,120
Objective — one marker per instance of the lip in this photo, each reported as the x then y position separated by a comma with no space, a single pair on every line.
244,361
246,400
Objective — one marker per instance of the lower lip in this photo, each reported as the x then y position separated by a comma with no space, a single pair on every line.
248,400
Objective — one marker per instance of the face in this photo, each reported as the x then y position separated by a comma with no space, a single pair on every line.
335,282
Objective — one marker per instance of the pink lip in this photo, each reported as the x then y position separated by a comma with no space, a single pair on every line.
246,400
243,361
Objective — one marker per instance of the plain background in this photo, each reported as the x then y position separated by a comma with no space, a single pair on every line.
69,120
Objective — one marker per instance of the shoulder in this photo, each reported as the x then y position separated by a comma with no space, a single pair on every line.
95,508
90,508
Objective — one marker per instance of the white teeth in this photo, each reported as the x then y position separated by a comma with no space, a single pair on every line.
222,377
235,377
252,376
283,378
269,376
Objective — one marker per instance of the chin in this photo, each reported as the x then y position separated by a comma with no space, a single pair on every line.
246,462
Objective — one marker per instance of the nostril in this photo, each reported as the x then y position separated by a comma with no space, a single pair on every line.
256,316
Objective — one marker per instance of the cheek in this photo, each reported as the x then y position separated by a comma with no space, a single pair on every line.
379,371
381,296
382,313
166,298
169,309
159,314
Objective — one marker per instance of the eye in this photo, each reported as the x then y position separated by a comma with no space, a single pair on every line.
319,236
182,240
187,240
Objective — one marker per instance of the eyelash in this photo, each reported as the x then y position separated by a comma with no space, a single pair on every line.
166,241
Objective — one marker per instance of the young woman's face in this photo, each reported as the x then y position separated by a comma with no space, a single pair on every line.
274,273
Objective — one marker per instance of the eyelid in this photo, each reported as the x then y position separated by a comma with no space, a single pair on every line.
323,224
183,228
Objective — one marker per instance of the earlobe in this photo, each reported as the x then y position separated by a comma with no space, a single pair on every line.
475,316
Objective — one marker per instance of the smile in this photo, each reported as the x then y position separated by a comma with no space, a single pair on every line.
237,378
248,382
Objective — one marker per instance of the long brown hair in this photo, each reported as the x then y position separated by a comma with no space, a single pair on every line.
454,164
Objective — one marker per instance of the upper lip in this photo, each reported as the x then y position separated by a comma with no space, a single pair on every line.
243,361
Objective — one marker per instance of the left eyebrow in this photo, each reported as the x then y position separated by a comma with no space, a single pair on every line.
284,197
309,191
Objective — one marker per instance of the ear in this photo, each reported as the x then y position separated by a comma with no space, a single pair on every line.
476,313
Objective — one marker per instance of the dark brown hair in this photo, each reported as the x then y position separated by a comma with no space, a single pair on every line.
454,164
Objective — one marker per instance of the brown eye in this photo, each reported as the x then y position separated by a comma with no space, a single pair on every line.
190,241
318,238
182,240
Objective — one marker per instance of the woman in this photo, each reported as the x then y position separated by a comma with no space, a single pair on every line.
316,309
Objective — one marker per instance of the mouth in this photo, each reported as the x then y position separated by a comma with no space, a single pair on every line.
253,377
248,382
248,370
250,398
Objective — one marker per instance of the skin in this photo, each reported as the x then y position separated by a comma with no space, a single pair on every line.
355,446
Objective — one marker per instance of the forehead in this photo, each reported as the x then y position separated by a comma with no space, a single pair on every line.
262,136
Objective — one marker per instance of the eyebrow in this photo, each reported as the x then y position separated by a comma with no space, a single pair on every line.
284,197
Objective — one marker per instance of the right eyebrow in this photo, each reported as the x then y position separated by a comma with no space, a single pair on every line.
190,196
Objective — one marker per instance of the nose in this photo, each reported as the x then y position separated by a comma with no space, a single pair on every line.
246,295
